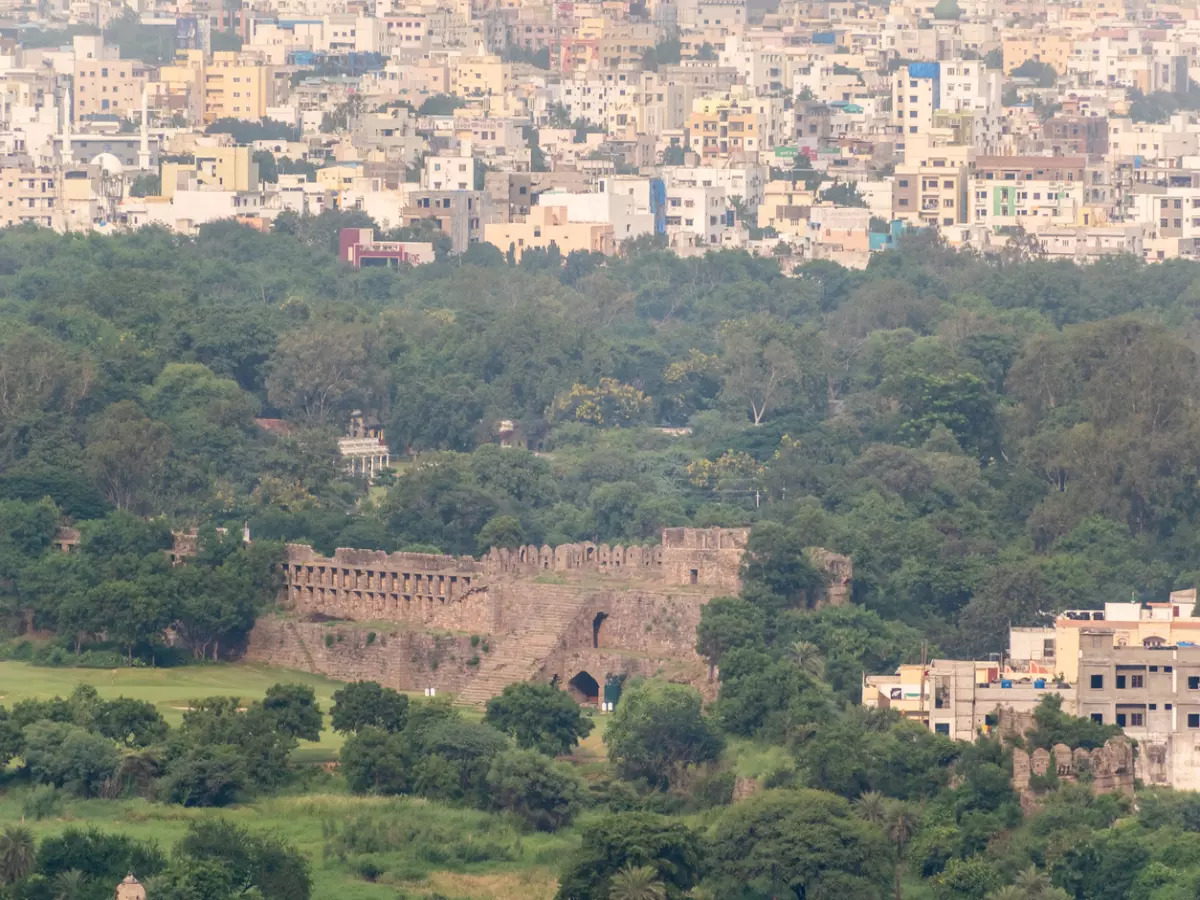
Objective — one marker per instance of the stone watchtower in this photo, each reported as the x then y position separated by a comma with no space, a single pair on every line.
130,889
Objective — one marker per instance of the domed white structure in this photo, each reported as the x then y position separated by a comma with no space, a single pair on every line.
108,164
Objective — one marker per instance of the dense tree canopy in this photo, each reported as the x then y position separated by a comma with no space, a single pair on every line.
962,427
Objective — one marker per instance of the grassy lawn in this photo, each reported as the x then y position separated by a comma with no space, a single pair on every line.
457,853
444,851
172,689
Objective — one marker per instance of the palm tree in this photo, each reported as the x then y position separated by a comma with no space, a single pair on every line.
636,883
17,853
899,821
870,807
1008,892
1033,882
68,885
808,658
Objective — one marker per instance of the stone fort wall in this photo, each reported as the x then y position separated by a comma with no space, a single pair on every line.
1108,769
545,609
404,660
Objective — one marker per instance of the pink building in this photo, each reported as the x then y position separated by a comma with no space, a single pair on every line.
358,247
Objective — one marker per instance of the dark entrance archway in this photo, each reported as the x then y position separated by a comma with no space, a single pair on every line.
596,623
584,688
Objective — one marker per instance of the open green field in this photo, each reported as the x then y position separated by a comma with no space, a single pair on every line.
171,690
457,853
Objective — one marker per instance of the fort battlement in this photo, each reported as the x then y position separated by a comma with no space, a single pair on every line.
547,612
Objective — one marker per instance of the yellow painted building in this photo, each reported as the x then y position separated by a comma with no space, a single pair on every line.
215,168
228,85
723,126
603,43
181,85
480,76
1045,46
546,225
339,176
236,88
1132,625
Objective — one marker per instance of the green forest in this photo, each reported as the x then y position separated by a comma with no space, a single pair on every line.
991,441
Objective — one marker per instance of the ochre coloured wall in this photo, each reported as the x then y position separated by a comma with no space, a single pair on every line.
547,610
404,660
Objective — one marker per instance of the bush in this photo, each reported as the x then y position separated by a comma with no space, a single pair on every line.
542,793
42,802
68,756
206,775
658,730
539,716
714,789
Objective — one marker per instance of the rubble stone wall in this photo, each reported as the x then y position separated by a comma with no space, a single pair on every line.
404,660
638,605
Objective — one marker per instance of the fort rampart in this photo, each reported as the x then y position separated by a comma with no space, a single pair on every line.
545,611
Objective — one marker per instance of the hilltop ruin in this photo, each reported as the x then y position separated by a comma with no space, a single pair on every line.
575,614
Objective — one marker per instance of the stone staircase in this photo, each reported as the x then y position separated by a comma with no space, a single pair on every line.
518,654
312,663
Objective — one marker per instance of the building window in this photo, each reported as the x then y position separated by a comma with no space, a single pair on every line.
1120,682
1098,718
1193,720
1137,681
1096,682
1121,719
1194,682
1136,720
1168,668
1168,706
942,728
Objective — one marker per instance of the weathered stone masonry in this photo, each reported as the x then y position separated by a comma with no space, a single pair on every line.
534,612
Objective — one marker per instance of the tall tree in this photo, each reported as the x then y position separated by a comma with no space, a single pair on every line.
126,455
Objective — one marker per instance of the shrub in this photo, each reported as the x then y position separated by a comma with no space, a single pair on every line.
43,801
542,793
68,756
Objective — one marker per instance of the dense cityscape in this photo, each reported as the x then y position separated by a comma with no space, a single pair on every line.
808,130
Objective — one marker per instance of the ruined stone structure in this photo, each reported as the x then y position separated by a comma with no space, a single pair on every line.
1108,769
574,614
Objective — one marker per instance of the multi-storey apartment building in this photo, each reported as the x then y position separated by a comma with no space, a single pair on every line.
1152,690
105,84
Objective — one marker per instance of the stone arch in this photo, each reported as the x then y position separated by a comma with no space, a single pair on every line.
597,622
524,550
589,553
584,688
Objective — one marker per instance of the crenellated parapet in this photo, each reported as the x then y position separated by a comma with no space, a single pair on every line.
614,560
